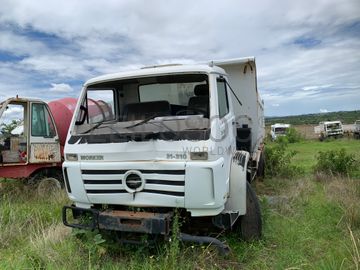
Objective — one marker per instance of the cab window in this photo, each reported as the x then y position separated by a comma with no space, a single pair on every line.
223,102
41,121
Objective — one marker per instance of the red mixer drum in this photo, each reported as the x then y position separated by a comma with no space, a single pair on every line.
62,111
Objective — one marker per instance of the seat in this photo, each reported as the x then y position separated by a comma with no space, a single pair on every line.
200,102
144,110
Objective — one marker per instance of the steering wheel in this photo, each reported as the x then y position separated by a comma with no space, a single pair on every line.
192,111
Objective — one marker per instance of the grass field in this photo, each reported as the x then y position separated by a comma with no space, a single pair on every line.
309,223
308,149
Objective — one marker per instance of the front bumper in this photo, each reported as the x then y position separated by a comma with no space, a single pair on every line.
335,132
114,220
133,222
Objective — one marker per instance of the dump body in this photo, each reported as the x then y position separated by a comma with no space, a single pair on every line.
250,113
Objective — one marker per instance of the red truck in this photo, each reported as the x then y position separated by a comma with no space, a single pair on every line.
32,138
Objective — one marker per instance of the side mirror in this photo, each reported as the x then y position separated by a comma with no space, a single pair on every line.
84,115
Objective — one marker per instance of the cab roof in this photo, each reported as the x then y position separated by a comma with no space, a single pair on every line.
331,122
20,99
157,70
280,125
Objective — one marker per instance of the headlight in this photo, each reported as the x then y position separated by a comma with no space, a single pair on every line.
71,157
199,155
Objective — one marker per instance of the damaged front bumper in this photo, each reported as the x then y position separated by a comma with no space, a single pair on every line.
132,222
115,220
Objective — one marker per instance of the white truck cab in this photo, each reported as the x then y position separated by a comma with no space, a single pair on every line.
187,137
329,129
278,130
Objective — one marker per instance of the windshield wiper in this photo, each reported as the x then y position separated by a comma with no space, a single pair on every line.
144,121
96,126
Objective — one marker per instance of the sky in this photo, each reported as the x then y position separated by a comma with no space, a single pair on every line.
307,52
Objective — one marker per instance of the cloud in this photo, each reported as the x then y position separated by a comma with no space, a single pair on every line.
323,111
306,58
19,45
307,42
61,87
316,87
12,112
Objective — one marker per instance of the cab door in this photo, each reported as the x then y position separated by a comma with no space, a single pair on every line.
44,140
227,137
13,133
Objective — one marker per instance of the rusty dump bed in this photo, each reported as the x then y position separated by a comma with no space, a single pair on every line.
115,220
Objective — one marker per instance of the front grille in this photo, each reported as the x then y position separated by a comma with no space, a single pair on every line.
94,182
164,182
175,172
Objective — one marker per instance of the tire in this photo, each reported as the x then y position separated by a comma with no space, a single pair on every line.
251,223
261,167
39,176
48,185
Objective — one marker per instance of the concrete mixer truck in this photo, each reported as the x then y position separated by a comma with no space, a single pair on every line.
32,138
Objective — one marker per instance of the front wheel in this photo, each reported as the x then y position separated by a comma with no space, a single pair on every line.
48,185
251,224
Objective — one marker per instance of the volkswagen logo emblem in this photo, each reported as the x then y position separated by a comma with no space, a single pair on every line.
134,181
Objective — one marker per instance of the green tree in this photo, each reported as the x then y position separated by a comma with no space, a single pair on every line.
6,129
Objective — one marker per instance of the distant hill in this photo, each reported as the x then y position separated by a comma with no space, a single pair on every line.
346,117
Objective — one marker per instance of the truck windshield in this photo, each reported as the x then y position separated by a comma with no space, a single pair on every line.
281,130
147,104
333,126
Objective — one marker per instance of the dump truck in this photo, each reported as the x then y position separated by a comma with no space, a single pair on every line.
278,130
173,138
329,129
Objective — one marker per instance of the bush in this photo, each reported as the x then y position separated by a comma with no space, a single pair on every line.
293,135
282,140
278,160
335,162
